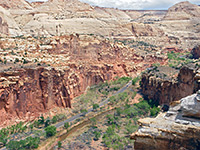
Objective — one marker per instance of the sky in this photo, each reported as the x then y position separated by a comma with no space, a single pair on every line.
134,4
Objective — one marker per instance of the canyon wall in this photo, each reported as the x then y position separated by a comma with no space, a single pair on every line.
170,85
40,74
26,93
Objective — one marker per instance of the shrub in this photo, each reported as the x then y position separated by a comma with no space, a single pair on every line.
154,111
59,144
122,80
143,107
83,111
16,60
3,139
135,80
47,122
130,128
94,121
54,119
95,106
50,131
110,119
41,120
25,61
97,135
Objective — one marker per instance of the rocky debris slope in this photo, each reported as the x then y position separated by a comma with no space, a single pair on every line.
164,84
179,128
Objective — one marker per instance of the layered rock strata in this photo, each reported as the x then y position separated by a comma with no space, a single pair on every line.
60,17
179,128
164,84
37,75
26,93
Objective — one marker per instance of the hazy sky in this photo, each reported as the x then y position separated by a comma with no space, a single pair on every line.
134,4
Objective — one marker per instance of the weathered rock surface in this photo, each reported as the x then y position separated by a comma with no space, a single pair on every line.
61,17
190,106
196,52
8,25
26,93
171,130
183,11
41,74
164,84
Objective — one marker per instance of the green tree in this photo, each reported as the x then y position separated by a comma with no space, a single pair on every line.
54,119
50,131
94,121
95,106
31,126
135,80
110,119
13,145
47,122
66,125
41,120
32,143
97,135
3,139
83,111
59,144
154,111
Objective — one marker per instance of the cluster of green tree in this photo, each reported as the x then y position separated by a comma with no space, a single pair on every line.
28,143
115,85
112,138
117,98
121,81
5,132
175,59
41,122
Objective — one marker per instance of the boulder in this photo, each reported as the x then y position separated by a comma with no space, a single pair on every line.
179,128
190,106
196,52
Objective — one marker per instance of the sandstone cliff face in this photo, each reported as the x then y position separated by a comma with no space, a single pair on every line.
26,93
171,130
61,17
163,90
57,69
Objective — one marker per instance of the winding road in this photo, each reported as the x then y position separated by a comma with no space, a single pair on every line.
60,124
